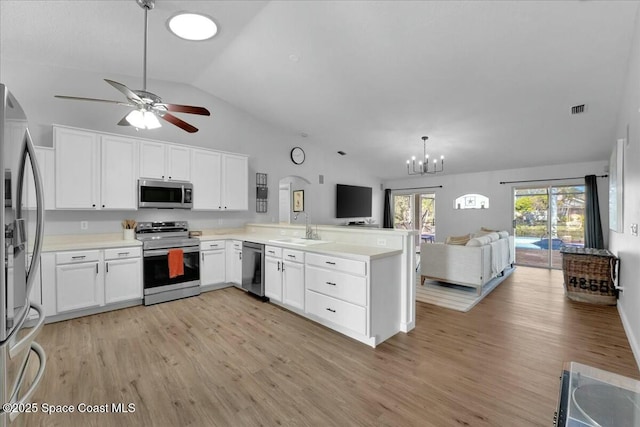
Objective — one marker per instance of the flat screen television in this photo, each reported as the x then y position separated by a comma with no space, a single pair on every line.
353,201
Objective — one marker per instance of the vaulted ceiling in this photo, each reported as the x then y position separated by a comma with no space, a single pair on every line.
491,83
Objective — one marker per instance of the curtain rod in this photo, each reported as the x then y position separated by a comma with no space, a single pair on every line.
415,188
550,179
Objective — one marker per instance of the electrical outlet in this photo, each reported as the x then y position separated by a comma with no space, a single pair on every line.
634,230
84,225
382,242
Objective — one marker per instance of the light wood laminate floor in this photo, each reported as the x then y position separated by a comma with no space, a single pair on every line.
226,359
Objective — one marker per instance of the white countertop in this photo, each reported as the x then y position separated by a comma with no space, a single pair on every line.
53,243
70,242
330,248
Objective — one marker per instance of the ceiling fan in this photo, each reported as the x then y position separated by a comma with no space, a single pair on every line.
148,107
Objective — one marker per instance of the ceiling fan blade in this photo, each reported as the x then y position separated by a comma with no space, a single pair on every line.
124,121
80,98
125,90
179,122
187,109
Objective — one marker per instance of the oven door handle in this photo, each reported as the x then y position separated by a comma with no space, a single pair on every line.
161,252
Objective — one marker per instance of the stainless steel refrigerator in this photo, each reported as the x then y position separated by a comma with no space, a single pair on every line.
22,360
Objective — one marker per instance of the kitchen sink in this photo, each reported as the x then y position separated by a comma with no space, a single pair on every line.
298,241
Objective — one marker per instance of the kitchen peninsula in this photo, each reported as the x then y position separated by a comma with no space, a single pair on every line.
357,281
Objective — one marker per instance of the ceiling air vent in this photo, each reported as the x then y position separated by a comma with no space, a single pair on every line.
577,109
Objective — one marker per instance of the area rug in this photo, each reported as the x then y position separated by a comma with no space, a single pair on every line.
455,297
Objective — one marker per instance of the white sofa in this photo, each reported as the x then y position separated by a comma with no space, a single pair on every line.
473,264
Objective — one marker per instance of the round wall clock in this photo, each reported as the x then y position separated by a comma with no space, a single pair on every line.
297,155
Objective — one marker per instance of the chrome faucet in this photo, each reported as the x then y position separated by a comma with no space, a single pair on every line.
308,232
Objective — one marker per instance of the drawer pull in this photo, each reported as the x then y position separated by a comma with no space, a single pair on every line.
330,262
123,253
291,256
330,283
79,257
272,252
331,310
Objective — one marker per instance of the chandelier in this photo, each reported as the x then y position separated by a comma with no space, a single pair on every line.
423,165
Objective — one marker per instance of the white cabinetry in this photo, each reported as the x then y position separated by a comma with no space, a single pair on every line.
165,161
284,276
79,280
123,275
94,171
234,262
77,159
212,262
119,161
293,278
206,177
273,273
220,180
235,182
46,163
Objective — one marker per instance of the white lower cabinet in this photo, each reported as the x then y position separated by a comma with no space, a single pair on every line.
84,280
233,261
284,276
122,275
337,291
212,263
79,280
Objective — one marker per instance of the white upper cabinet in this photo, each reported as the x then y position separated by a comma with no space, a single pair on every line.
164,161
94,171
119,158
77,159
178,162
46,163
205,177
235,182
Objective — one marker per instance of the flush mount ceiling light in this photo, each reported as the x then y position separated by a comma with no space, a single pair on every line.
192,26
423,165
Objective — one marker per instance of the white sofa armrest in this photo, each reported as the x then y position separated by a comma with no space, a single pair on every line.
465,265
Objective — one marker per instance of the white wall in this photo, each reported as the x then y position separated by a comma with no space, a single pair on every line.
228,129
626,246
455,222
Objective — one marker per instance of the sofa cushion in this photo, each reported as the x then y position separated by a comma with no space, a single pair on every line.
458,240
479,241
503,234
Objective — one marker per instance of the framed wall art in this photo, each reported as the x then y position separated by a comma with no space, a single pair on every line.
298,200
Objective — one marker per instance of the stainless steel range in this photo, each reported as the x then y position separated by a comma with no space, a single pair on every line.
165,243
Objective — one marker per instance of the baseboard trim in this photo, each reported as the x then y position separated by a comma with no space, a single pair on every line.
635,348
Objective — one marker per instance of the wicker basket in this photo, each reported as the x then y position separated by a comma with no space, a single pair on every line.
589,275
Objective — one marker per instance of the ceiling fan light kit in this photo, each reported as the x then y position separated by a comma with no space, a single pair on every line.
148,107
423,165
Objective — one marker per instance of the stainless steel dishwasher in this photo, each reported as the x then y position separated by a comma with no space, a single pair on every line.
253,268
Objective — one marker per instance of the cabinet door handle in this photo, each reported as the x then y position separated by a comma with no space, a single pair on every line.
79,257
96,268
240,255
330,283
282,265
330,262
107,267
278,265
331,310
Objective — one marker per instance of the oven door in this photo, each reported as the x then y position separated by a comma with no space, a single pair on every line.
156,270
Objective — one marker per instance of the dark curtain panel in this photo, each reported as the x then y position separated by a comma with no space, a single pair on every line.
387,221
592,225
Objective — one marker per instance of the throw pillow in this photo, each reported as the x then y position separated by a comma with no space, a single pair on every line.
479,241
488,230
458,240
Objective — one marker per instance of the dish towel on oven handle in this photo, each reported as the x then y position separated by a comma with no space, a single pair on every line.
176,263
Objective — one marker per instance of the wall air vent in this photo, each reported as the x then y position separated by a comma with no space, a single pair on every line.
577,109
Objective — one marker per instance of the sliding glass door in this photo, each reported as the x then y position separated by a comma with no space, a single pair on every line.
416,211
545,219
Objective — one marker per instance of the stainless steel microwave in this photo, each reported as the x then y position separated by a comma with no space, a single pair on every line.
165,194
